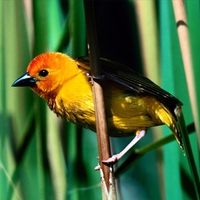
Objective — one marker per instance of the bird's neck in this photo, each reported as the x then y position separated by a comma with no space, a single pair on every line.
48,97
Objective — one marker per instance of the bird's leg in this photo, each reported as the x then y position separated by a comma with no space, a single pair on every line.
115,158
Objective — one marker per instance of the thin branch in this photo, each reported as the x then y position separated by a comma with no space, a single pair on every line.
100,116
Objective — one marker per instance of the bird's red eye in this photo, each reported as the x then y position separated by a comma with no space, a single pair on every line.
43,73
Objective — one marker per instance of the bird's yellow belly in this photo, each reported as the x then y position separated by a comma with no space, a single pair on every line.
125,113
128,113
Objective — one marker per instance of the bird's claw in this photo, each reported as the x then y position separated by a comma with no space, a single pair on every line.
112,160
100,77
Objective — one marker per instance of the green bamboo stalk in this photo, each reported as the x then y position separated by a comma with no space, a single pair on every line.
148,32
171,65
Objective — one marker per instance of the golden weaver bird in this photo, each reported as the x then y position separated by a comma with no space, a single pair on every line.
133,102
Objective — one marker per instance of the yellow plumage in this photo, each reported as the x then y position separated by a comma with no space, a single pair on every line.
132,101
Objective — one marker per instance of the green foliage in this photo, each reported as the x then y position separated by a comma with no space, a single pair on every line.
44,157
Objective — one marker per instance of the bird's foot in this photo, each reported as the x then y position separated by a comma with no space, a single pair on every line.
115,158
95,78
112,160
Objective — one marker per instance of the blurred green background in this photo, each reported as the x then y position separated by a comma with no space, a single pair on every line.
45,157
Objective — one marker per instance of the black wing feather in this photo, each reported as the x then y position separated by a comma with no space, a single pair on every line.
132,80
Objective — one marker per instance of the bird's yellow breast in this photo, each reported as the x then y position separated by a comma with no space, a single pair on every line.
75,101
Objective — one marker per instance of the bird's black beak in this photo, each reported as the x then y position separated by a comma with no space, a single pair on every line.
25,80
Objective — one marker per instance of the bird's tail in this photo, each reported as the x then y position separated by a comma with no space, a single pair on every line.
168,118
162,115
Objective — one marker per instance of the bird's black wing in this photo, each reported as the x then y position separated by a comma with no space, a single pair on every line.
132,80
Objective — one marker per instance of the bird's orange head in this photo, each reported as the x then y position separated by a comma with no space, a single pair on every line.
47,72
